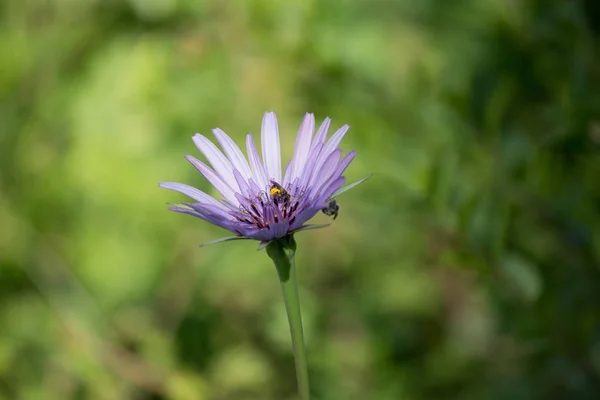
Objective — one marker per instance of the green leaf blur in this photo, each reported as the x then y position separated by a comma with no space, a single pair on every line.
467,267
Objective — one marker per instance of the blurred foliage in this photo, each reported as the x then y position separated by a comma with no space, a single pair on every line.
466,268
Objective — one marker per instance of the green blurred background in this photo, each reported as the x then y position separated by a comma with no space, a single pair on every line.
466,268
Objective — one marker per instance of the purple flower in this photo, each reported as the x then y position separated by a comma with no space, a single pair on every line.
258,202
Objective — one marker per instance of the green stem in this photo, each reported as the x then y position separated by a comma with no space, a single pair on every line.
282,253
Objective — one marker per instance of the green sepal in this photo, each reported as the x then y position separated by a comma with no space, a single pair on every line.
225,239
311,226
263,244
350,186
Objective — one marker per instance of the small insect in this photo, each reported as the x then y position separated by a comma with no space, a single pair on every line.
278,194
332,208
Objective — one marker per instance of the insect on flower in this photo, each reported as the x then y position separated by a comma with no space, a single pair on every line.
332,208
278,194
306,186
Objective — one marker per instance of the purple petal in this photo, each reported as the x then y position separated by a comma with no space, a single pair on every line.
344,163
315,151
324,171
280,229
310,165
332,143
254,188
304,216
257,167
210,210
302,147
275,231
229,205
325,195
233,152
270,147
288,173
294,186
339,170
244,202
191,192
269,215
215,180
244,188
321,133
262,234
215,220
214,156
317,204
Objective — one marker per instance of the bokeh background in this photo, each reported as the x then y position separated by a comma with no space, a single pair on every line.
467,267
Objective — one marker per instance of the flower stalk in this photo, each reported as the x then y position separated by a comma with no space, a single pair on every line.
260,201
282,252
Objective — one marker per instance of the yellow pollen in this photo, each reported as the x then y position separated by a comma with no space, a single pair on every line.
275,191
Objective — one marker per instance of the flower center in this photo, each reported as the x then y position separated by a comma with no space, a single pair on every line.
274,205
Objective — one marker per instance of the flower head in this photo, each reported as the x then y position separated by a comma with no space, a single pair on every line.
258,202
